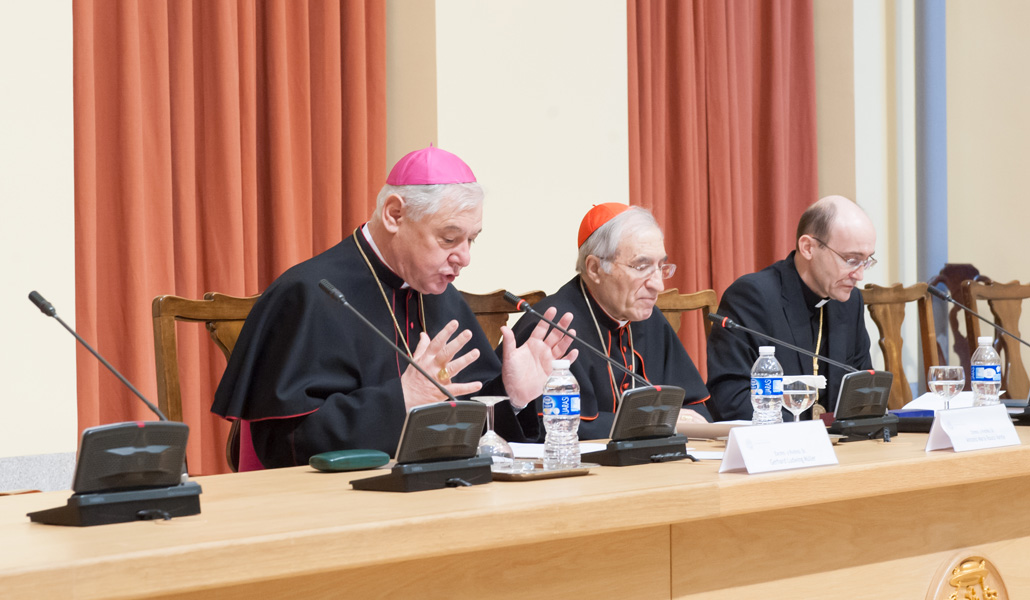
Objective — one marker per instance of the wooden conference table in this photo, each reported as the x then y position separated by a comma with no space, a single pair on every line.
882,524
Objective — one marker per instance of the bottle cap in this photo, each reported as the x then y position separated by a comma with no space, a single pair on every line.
985,340
763,350
560,363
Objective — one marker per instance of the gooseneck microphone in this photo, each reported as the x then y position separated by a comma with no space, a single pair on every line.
48,309
934,291
524,306
336,294
729,323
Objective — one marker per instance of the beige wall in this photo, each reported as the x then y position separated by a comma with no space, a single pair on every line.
37,357
835,96
989,140
989,135
538,108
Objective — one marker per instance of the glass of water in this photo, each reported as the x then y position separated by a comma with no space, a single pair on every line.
946,382
491,444
798,396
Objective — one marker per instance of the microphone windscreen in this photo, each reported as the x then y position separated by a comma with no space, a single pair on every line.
935,291
512,298
45,307
331,290
721,320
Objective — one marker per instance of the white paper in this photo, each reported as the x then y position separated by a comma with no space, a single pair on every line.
972,429
709,431
931,401
536,451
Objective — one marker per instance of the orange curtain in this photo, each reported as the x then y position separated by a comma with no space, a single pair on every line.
217,143
722,134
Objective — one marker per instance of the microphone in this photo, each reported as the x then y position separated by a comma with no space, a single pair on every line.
524,306
48,309
125,471
729,323
934,291
336,294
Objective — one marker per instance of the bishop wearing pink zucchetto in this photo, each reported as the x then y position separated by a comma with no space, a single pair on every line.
307,377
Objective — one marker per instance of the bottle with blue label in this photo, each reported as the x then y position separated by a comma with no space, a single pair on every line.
985,376
561,418
767,388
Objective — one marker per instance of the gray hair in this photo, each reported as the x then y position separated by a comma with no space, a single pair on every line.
421,200
604,243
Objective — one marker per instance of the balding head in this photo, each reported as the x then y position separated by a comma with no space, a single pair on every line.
830,232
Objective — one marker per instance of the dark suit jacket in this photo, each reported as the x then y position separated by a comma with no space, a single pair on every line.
771,301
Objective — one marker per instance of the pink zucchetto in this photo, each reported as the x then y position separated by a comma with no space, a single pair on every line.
430,166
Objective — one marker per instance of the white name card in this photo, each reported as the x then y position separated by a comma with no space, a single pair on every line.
778,447
973,428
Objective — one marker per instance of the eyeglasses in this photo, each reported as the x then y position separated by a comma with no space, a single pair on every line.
647,271
852,263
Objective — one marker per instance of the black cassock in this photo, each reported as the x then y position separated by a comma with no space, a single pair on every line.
772,301
660,358
310,377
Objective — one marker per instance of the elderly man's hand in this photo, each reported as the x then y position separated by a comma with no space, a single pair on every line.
436,356
526,367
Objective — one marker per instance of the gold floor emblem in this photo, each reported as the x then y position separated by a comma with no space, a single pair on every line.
971,578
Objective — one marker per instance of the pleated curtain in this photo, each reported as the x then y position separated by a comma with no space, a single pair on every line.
217,143
722,134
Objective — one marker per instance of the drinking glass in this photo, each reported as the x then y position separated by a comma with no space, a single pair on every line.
946,382
492,444
798,396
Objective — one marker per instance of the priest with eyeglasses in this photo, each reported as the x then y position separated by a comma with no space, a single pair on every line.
809,299
621,268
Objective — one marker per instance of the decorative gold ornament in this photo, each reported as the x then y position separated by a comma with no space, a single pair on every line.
970,578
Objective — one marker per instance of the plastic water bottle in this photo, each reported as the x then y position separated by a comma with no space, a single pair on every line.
767,388
561,418
985,376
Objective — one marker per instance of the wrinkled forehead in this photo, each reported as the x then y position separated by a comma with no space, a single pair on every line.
644,242
456,216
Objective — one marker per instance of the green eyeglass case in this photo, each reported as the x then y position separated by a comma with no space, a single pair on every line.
349,460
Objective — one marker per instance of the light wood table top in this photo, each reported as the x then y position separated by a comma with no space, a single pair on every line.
250,521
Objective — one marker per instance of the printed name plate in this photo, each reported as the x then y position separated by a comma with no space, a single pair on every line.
973,428
764,448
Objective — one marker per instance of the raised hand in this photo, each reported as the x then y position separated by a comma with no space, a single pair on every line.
526,367
437,357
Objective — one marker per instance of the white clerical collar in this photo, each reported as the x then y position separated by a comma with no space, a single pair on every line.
368,237
821,302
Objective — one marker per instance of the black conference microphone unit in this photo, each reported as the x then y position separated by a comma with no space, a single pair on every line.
644,430
125,471
439,441
1024,417
861,410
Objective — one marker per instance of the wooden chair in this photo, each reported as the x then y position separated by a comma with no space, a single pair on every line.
1006,303
492,310
887,308
673,304
223,316
952,276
